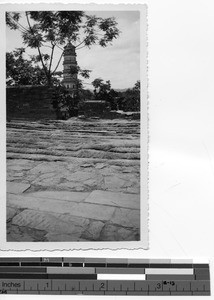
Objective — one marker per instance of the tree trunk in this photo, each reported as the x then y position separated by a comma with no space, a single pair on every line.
49,80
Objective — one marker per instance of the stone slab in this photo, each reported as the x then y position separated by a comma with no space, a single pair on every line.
93,230
48,167
50,222
53,237
92,211
134,190
50,182
114,199
18,234
60,195
100,166
114,183
80,176
117,233
39,204
17,187
85,210
11,213
126,217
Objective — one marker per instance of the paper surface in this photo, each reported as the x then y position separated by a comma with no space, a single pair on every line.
98,201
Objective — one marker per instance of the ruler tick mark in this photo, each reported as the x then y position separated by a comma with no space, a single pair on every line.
15,282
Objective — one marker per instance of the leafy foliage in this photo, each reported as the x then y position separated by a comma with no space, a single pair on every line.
55,28
103,91
63,100
20,71
12,19
128,100
71,103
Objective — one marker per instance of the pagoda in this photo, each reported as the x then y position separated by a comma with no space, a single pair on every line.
70,68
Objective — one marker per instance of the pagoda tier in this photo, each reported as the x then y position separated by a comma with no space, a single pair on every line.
70,68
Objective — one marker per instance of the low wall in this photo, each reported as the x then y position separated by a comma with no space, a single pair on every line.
30,102
94,108
122,115
35,103
101,109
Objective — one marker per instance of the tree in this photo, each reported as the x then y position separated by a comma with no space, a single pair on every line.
137,86
86,94
53,29
21,71
103,91
131,98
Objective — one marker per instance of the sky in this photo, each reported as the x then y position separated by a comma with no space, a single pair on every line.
118,62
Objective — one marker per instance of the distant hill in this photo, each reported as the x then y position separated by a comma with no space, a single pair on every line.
117,90
120,90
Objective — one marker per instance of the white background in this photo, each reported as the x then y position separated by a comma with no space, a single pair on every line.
181,108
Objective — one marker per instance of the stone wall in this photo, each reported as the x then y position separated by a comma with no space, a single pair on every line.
94,108
29,102
101,109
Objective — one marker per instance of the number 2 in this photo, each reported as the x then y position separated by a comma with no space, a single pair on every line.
102,285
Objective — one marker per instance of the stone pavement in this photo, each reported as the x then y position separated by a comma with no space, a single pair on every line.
73,180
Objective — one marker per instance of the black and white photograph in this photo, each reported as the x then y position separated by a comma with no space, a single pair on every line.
106,147
75,101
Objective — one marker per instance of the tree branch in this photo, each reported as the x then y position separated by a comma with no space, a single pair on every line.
81,47
58,63
28,21
21,27
18,25
40,54
59,47
86,83
51,59
46,46
81,43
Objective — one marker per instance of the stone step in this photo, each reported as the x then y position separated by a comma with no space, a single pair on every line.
76,143
29,137
114,199
116,208
16,187
102,131
73,208
63,156
82,180
114,162
67,151
72,125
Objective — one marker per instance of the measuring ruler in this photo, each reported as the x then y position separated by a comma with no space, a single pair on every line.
101,276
